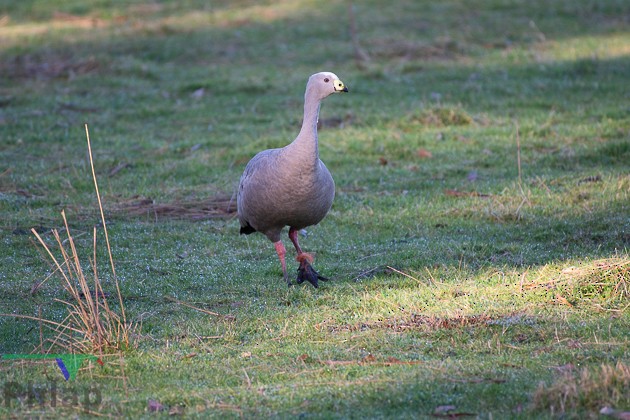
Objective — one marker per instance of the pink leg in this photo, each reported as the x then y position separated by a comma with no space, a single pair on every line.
293,235
281,251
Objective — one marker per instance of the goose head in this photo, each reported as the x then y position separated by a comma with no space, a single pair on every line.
323,84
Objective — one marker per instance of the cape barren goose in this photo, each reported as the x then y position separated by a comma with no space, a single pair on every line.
290,186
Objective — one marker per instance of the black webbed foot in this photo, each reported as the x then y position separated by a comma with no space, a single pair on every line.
306,272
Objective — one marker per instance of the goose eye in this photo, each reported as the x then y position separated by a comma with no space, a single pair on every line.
326,80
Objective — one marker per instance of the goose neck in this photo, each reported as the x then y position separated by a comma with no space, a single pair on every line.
307,137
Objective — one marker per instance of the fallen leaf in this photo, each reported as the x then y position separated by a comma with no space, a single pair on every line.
562,300
246,354
424,154
176,410
574,344
369,359
117,168
155,406
303,357
565,368
382,161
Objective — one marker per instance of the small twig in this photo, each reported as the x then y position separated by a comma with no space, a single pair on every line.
249,381
405,274
100,206
188,305
518,158
522,280
365,273
41,329
520,172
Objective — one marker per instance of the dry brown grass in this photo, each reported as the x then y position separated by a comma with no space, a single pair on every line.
91,325
442,116
589,389
599,283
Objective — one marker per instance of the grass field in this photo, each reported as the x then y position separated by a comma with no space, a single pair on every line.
477,246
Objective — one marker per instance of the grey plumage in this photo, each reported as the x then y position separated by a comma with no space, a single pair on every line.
290,186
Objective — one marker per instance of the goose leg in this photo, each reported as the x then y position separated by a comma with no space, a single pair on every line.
281,251
305,271
293,235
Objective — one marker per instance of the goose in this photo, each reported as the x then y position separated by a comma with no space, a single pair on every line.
291,186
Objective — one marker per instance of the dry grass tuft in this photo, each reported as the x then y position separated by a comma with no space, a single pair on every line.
603,281
589,389
91,325
442,116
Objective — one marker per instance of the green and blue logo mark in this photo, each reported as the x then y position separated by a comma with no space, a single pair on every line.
69,364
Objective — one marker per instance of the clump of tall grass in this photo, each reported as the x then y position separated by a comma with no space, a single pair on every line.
442,116
92,324
586,390
600,282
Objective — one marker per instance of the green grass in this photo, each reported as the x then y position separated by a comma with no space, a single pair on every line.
453,282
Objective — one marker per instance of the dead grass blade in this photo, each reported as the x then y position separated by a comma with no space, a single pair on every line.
188,305
91,325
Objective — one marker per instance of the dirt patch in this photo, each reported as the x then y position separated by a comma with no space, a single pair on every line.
220,206
415,322
31,66
439,49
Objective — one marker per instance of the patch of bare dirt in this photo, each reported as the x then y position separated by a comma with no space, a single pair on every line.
29,66
220,206
416,322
